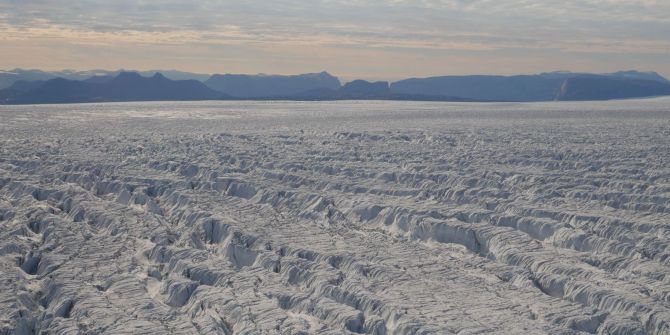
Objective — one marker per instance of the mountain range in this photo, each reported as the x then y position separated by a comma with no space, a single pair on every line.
126,86
40,87
9,77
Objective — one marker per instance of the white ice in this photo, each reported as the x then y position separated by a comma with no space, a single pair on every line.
334,218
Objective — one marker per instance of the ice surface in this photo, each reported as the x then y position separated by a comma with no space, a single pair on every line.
332,218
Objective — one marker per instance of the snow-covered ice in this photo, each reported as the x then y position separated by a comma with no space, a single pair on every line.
333,218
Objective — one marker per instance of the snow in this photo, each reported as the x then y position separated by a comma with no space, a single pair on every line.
337,217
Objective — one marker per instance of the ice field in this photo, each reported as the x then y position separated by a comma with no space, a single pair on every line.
335,218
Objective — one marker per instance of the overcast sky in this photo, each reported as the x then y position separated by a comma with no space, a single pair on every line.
373,39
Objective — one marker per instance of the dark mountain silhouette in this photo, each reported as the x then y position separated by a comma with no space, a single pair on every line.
361,89
498,88
365,90
632,74
25,86
607,88
268,86
127,86
8,78
99,79
7,95
131,86
542,87
639,75
57,90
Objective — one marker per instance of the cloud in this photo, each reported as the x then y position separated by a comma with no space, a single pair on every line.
569,26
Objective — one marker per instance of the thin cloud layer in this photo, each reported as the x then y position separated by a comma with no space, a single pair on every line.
606,30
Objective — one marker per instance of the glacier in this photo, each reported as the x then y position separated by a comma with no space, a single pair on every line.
348,217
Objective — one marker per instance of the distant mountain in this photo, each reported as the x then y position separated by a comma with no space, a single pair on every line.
607,88
621,74
8,78
639,75
498,88
361,89
101,86
365,90
25,86
99,79
126,86
176,75
268,86
542,87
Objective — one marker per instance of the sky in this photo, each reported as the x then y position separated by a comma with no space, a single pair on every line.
373,39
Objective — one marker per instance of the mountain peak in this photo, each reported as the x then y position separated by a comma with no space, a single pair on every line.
128,75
